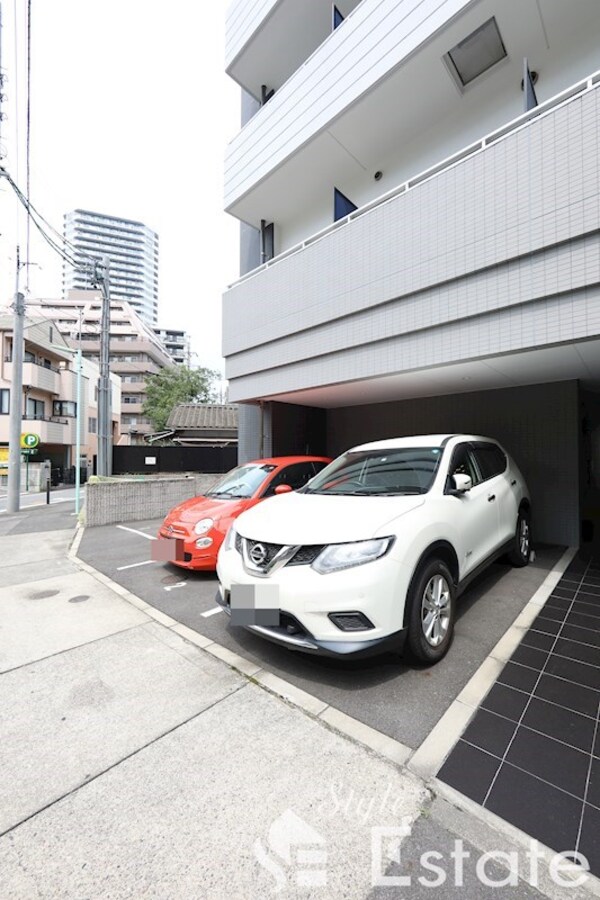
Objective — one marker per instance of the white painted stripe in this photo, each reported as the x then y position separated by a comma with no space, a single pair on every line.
146,562
211,612
149,537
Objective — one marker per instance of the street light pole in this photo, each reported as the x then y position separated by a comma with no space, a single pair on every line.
16,398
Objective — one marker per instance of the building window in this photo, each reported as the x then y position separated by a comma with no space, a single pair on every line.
92,425
477,53
36,409
337,18
64,408
342,207
267,241
4,401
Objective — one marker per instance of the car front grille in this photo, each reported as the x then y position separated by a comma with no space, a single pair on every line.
271,551
304,556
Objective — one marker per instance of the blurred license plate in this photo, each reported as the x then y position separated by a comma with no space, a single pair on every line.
167,550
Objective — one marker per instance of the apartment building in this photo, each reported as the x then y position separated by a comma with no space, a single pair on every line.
419,250
49,400
135,352
176,343
132,249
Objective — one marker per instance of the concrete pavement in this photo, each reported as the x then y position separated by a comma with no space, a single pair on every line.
137,763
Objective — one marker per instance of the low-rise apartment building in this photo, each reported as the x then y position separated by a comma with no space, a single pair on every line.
49,397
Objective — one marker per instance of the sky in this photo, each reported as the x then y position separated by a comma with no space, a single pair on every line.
131,111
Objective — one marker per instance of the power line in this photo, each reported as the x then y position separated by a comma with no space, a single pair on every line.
67,250
28,145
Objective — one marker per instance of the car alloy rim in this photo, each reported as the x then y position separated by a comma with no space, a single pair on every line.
435,610
524,538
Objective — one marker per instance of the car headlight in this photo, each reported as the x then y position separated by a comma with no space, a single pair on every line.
203,525
344,556
229,542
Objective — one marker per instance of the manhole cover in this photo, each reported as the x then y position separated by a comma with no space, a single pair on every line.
41,595
80,598
173,579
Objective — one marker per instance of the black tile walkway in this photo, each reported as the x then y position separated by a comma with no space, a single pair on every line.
531,754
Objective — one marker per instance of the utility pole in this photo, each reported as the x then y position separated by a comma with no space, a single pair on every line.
16,399
101,277
78,424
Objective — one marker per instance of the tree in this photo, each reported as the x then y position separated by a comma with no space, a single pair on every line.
174,385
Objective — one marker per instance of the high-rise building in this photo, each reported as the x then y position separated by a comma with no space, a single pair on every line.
420,245
133,252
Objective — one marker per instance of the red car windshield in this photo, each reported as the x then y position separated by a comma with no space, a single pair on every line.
241,482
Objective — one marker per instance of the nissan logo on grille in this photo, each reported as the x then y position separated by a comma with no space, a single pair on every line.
258,554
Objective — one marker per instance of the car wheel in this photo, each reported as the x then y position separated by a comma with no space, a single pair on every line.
520,553
432,605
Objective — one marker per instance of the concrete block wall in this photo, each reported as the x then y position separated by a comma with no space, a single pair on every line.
108,502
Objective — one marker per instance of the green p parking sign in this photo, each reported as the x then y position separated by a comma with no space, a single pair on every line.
29,441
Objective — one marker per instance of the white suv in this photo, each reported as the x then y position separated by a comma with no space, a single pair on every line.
374,550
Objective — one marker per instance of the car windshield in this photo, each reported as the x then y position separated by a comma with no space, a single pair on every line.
241,482
389,472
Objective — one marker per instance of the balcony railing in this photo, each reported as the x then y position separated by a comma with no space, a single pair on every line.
592,82
39,418
34,362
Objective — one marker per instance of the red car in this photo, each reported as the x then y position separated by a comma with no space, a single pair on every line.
192,532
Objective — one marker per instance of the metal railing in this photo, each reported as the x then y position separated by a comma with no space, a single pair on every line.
34,362
590,83
41,418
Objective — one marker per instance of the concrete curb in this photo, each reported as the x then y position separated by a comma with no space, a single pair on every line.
428,758
385,746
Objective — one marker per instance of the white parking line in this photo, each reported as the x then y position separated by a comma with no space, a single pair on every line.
146,562
148,537
211,612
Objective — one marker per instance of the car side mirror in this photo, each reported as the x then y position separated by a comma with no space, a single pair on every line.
282,489
462,484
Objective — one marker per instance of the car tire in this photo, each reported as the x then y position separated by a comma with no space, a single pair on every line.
519,555
432,612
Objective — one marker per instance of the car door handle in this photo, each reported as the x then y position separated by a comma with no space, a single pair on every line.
491,498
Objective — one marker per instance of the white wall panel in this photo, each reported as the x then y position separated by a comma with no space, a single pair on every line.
378,36
244,17
498,253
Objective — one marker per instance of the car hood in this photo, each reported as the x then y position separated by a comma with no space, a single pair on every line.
323,519
191,511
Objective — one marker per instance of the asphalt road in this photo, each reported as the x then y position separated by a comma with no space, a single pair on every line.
402,700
